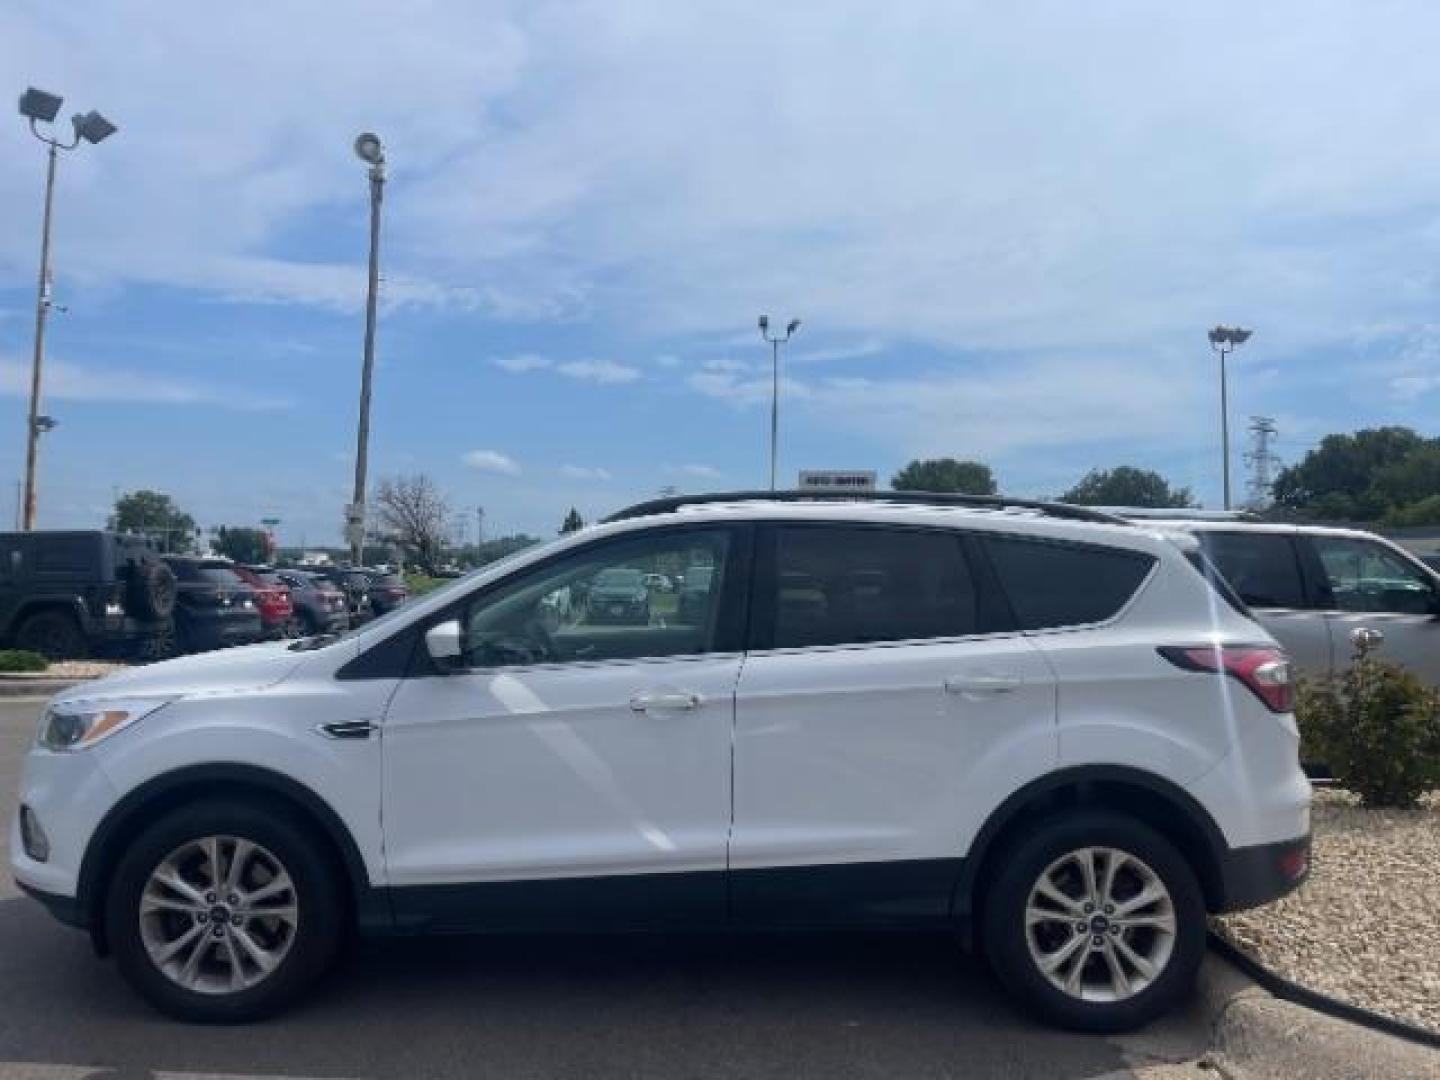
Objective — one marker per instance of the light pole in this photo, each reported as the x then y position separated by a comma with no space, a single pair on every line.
369,150
38,107
1224,339
775,342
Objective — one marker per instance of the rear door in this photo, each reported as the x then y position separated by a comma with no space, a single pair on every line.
883,694
1268,572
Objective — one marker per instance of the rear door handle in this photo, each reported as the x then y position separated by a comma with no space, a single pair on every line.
982,684
664,699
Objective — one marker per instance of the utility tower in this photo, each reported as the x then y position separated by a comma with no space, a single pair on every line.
1262,461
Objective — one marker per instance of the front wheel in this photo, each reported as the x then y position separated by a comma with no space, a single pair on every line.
1096,922
224,912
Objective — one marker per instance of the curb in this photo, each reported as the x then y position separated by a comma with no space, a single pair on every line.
1267,1027
24,688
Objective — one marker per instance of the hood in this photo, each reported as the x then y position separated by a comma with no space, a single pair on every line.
250,667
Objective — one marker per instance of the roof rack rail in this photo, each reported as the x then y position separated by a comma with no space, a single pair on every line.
905,498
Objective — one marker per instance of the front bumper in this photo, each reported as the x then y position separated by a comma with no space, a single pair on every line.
69,794
66,909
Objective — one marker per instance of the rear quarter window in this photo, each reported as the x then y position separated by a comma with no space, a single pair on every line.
1053,584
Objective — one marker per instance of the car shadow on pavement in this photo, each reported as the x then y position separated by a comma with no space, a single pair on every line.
637,1006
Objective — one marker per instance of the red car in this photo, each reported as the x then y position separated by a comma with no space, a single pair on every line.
277,613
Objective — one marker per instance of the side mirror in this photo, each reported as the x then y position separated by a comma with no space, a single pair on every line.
442,642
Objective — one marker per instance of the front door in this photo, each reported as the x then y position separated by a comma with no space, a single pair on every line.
576,767
882,706
1371,586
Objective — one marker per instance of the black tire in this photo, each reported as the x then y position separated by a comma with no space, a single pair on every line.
309,624
151,590
55,635
1005,936
318,934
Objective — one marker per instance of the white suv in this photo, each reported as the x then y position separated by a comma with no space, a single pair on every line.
1034,724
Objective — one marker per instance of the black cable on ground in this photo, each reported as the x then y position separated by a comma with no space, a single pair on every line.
1286,990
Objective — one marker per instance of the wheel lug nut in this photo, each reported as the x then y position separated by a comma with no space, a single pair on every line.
210,898
1089,908
1097,941
1109,909
1115,930
236,920
1082,925
232,900
219,931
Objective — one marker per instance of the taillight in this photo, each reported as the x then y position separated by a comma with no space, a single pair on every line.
1264,669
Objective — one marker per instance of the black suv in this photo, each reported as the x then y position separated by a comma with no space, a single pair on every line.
78,594
214,606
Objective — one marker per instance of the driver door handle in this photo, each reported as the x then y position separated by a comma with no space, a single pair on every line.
983,684
646,701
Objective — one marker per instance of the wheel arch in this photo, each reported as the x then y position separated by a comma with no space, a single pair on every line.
159,796
1157,802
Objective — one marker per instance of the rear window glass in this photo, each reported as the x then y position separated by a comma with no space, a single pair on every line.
1053,584
1261,567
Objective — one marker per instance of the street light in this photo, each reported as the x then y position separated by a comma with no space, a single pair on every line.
1224,339
368,149
39,107
775,342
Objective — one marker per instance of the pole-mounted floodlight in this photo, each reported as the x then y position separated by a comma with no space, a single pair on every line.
370,150
775,343
40,107
1223,340
92,127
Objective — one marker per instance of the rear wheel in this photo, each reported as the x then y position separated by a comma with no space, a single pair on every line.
1096,922
224,912
56,635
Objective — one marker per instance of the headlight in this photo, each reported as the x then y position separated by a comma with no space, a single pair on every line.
80,724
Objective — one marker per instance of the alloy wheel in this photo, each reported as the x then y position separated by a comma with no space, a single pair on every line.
219,914
1100,924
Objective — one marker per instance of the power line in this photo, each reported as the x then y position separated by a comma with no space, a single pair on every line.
1263,461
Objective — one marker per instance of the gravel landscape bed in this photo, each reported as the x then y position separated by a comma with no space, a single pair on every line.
69,669
1365,927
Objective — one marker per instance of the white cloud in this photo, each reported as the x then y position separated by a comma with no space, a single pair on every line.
491,461
72,382
585,472
599,371
521,362
707,472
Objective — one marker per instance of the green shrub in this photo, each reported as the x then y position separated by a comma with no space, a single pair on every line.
22,660
1377,727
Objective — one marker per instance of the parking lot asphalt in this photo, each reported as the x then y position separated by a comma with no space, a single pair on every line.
639,1006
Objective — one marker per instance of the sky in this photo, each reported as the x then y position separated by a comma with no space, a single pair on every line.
1006,228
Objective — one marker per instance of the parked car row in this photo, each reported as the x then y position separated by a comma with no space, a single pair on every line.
93,593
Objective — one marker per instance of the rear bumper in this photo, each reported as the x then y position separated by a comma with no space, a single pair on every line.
1251,876
218,630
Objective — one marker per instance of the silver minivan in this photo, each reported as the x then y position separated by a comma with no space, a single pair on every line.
1312,586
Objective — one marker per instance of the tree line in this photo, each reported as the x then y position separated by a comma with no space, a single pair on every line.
1124,485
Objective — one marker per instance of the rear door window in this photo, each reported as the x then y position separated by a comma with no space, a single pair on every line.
1263,568
1053,584
841,585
